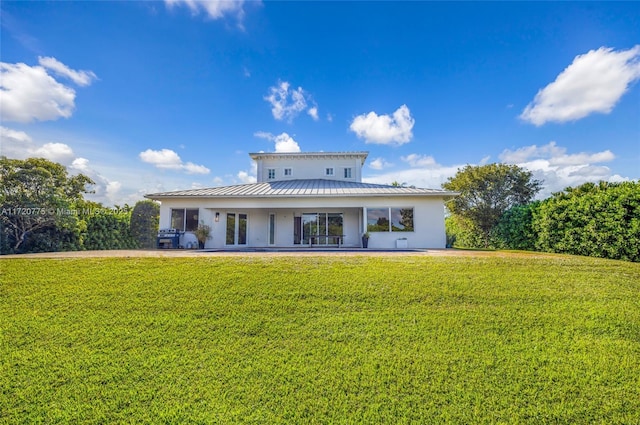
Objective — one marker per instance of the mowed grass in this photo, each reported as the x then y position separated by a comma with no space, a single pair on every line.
271,340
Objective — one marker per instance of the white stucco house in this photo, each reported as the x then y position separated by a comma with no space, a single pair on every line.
313,199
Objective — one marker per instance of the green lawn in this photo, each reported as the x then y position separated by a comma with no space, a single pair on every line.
320,340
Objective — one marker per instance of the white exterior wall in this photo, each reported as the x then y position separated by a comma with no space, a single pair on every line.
428,222
309,168
428,218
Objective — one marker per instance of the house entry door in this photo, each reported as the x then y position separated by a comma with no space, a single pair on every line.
236,229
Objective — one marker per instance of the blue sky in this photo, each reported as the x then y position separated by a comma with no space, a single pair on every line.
153,96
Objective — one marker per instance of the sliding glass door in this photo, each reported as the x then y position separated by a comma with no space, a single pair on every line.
322,228
309,228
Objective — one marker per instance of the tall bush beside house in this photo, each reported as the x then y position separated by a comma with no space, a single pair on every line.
461,233
598,220
109,230
515,228
144,223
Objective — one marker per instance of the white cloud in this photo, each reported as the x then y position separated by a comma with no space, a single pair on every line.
550,163
283,142
104,190
191,168
424,171
385,129
531,152
426,177
313,113
287,103
415,160
379,164
164,158
14,144
556,155
29,93
17,136
263,135
113,190
169,160
81,78
81,165
244,177
19,145
56,152
214,9
594,82
559,169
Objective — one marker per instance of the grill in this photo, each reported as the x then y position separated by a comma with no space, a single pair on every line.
168,239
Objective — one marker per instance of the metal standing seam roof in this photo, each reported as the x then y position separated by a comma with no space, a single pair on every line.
302,188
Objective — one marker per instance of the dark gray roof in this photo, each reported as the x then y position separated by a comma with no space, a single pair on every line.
301,188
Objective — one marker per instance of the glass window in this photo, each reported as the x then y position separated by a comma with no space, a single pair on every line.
184,219
347,173
390,219
328,171
271,173
402,219
287,171
231,229
334,224
242,229
272,229
378,219
177,219
191,220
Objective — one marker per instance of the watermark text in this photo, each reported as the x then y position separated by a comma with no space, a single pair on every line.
50,211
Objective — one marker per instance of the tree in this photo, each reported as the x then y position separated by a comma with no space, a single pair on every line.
515,229
144,223
461,232
37,195
487,191
396,183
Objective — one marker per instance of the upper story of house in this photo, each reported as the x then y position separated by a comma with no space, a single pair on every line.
344,166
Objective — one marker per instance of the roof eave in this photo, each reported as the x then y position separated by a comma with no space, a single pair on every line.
358,154
447,195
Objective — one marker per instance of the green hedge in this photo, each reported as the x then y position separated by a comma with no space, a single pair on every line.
598,220
594,219
108,231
